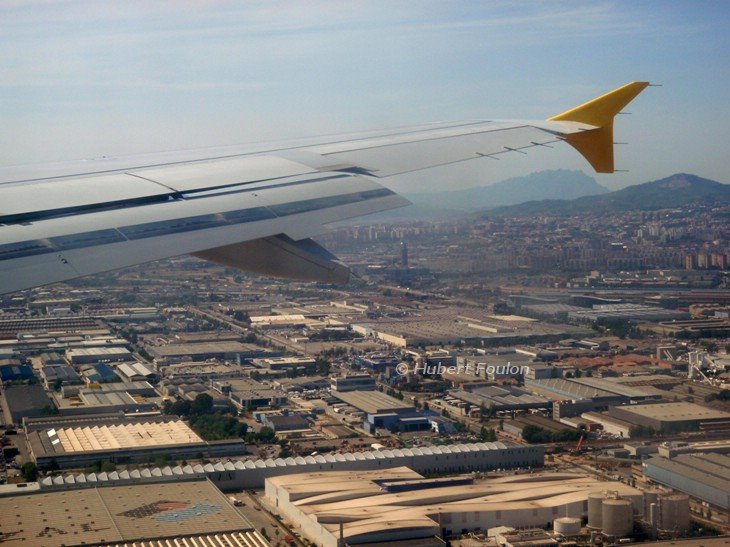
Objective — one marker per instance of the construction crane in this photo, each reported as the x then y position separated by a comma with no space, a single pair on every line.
577,450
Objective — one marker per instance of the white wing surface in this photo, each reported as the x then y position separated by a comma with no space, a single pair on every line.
254,208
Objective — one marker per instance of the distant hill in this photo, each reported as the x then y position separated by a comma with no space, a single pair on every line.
558,184
674,191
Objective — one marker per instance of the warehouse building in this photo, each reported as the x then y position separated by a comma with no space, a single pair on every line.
81,441
703,476
671,417
128,397
400,505
80,356
285,423
302,383
246,393
670,449
12,371
352,382
568,389
284,363
516,426
633,394
641,449
384,411
27,401
501,398
52,358
60,375
251,474
233,351
125,515
609,424
98,373
136,372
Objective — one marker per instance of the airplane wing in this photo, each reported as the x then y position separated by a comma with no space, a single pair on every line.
254,208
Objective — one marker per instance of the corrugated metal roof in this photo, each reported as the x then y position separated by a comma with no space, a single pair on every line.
306,460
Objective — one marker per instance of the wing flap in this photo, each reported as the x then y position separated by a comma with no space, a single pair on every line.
222,172
280,256
27,201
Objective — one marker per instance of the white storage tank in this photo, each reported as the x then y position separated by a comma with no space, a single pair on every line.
674,513
595,502
617,516
567,526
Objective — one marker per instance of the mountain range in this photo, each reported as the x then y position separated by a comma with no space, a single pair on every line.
677,190
561,183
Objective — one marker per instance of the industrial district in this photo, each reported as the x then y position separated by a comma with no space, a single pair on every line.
538,382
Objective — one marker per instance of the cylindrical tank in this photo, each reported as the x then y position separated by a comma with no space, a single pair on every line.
654,516
617,516
595,501
650,496
568,526
674,513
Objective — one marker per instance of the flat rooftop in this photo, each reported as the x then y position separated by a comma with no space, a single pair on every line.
676,412
205,348
561,388
452,323
615,387
499,396
372,402
118,514
110,436
26,401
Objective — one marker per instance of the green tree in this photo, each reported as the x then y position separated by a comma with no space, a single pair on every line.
218,426
203,404
29,471
641,431
323,366
266,435
487,434
178,408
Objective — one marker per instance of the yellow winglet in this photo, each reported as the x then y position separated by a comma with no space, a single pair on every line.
596,145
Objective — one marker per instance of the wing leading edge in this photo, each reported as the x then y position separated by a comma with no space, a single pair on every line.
254,208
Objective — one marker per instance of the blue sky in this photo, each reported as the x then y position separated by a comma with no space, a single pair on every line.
86,79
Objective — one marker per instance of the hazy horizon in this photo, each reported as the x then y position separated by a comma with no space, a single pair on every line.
84,79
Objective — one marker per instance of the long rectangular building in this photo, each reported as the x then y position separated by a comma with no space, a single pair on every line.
679,416
703,476
78,441
251,474
567,389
